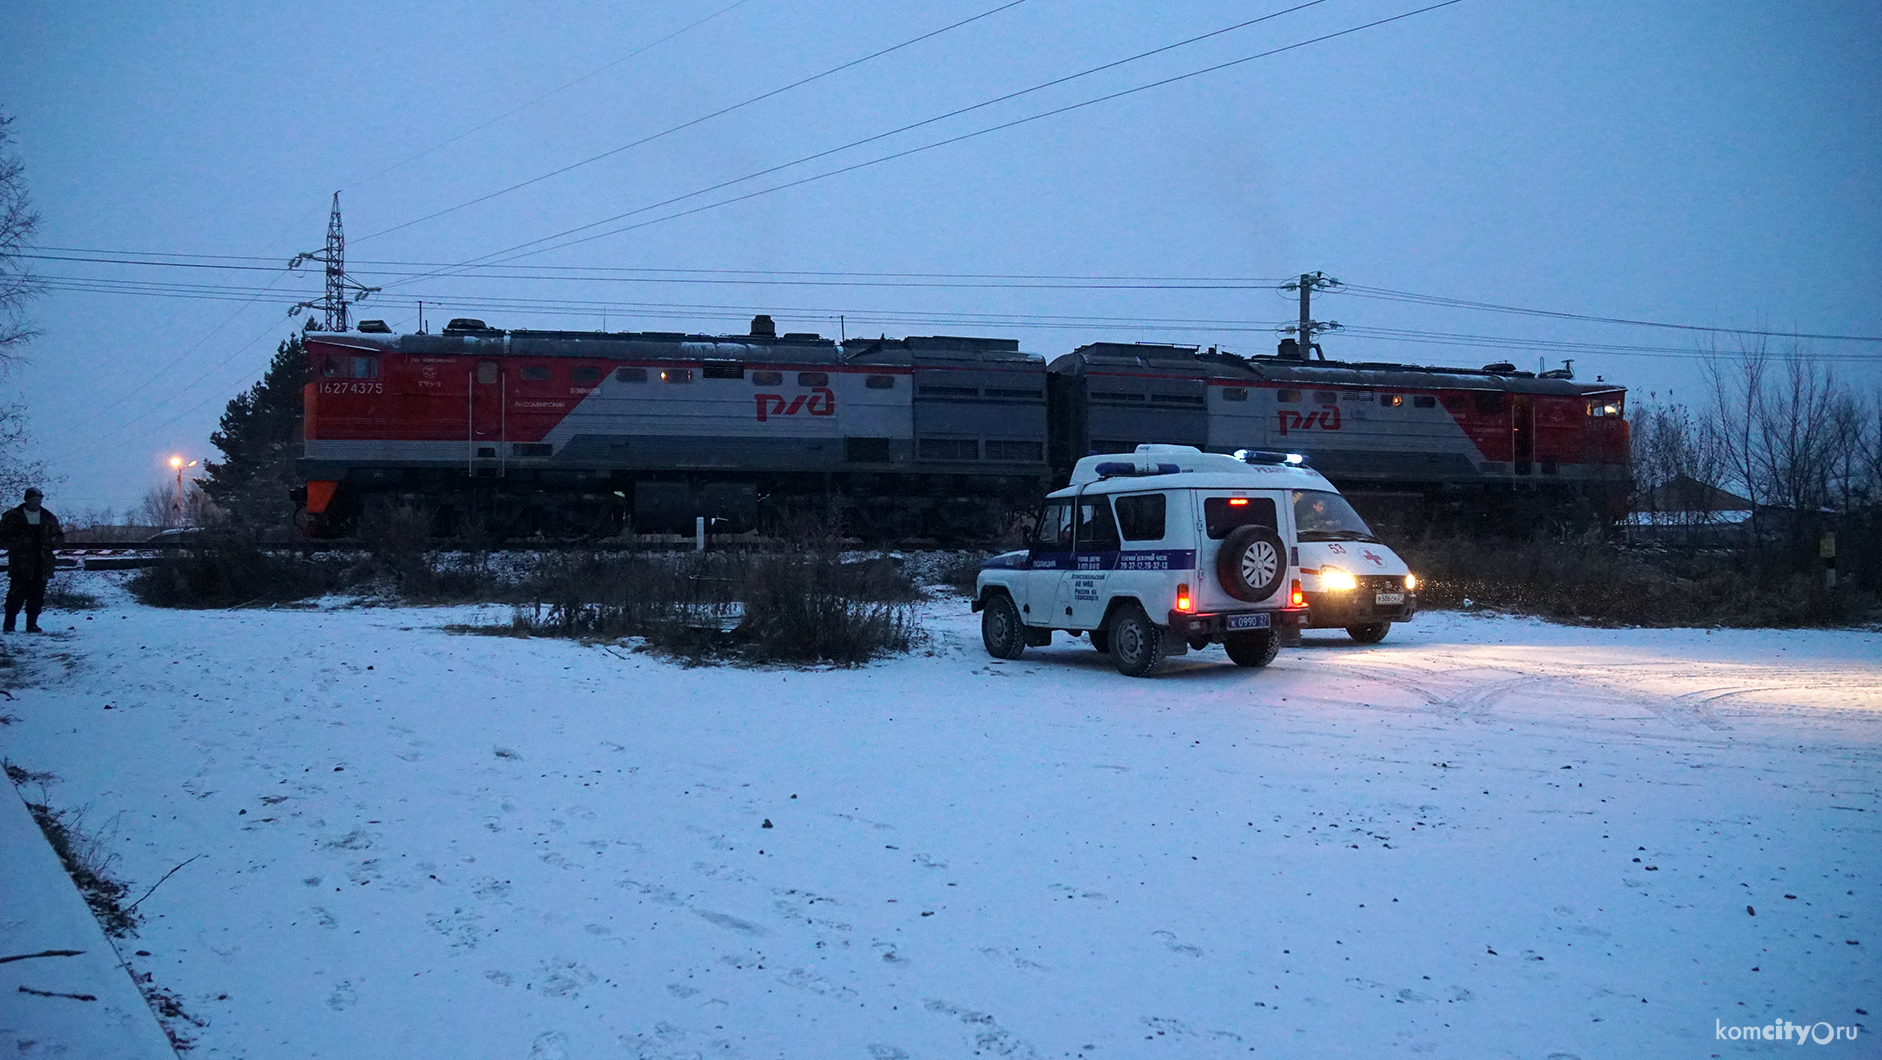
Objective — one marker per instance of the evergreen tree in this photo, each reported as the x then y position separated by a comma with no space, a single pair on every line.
260,438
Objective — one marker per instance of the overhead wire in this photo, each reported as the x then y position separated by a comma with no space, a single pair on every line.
697,121
519,108
1491,307
892,132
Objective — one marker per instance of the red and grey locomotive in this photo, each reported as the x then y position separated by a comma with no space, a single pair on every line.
941,438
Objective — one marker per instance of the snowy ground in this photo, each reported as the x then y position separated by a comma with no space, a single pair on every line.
1486,837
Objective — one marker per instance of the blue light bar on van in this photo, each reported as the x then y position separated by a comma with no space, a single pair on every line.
1116,468
1262,456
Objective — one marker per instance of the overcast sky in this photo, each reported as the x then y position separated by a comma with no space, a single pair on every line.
1698,163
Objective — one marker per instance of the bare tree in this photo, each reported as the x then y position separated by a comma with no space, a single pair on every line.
1737,381
18,285
1675,456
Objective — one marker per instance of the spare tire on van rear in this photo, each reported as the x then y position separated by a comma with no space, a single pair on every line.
1251,563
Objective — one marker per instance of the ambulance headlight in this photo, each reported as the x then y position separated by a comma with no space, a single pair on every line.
1411,582
1336,579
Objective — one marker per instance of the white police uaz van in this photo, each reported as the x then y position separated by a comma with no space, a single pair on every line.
1162,550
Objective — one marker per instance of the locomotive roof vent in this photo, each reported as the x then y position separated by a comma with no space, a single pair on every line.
374,327
1500,366
763,327
467,326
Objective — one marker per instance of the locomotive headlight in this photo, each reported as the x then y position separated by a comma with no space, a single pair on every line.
1411,581
1337,579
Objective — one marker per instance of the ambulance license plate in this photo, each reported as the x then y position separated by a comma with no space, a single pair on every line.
1248,622
1389,599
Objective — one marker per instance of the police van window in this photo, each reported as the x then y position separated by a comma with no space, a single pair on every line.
1097,532
487,372
1287,397
630,375
586,373
676,375
880,382
1234,393
1140,516
535,373
1054,533
1222,514
767,379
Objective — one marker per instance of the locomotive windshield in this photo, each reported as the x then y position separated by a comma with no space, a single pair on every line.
1323,516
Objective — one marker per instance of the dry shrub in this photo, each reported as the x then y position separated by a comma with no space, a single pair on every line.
795,608
232,570
1601,583
813,608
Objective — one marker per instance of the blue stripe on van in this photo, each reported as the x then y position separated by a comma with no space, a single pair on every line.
1144,559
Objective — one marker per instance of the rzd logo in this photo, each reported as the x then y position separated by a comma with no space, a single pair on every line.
1326,418
819,402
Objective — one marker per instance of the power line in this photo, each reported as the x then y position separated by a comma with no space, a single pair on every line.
141,257
703,118
1490,307
892,132
936,144
530,103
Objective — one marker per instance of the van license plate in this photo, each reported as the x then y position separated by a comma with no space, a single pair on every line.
1384,599
1248,622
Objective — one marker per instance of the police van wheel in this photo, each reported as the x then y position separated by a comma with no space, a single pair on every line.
1251,563
1256,647
1000,628
1136,643
1370,633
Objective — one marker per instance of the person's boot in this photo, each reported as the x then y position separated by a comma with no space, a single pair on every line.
9,625
32,623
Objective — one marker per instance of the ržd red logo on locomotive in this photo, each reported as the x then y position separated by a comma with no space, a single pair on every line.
1326,418
821,401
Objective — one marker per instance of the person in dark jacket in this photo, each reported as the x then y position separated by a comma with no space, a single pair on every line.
29,533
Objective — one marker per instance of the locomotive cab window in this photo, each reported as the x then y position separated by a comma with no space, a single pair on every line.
1604,408
676,375
1234,393
1223,514
350,368
586,373
1287,397
535,373
1325,397
1140,516
767,379
1424,401
879,382
630,375
813,379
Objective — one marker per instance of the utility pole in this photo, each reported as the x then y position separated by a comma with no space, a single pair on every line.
1308,327
335,303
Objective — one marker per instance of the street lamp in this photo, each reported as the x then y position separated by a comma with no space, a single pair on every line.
177,463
